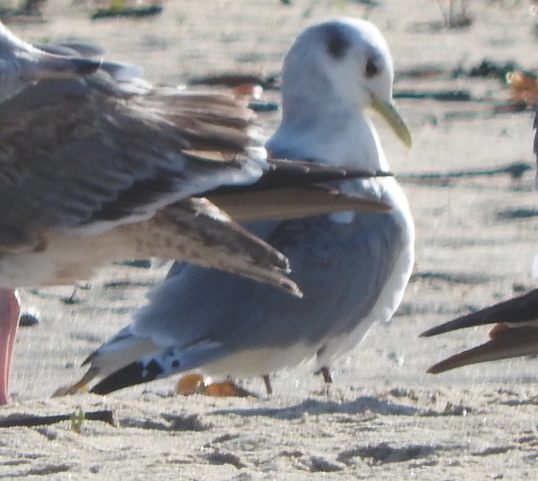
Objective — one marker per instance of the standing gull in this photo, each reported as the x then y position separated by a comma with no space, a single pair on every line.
352,267
103,168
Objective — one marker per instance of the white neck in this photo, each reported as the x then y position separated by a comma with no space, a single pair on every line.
332,132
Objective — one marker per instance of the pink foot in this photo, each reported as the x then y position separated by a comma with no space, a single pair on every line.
9,322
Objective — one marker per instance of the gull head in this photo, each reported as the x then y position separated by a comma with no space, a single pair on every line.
345,61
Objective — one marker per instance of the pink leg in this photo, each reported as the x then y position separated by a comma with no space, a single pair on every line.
9,322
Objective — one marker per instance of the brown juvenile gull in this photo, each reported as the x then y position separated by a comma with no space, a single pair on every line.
352,267
105,168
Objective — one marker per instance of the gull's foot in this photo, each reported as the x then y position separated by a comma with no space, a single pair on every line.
194,384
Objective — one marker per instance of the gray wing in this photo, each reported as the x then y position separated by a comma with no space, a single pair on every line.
75,154
119,79
21,64
198,316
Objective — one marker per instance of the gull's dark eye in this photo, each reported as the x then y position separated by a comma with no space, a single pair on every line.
371,68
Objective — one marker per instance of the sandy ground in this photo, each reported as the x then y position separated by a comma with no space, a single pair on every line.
384,418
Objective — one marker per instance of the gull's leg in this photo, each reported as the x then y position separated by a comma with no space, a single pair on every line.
9,322
328,379
267,382
326,375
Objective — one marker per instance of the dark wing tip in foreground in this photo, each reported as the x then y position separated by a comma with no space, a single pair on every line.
506,343
434,331
470,320
517,310
440,367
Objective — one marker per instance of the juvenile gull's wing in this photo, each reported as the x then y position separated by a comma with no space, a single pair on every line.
22,64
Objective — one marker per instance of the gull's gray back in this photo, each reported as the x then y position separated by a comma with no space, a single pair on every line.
341,269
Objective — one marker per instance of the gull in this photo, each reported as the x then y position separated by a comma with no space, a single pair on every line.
107,168
352,267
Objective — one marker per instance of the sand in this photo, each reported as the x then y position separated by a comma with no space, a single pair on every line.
384,417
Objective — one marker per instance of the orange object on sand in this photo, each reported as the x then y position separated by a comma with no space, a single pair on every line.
254,91
523,87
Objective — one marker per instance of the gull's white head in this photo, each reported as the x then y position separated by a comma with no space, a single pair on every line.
342,61
349,54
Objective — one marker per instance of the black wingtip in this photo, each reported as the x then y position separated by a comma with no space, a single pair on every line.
516,310
470,320
84,66
131,375
437,369
434,331
454,325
